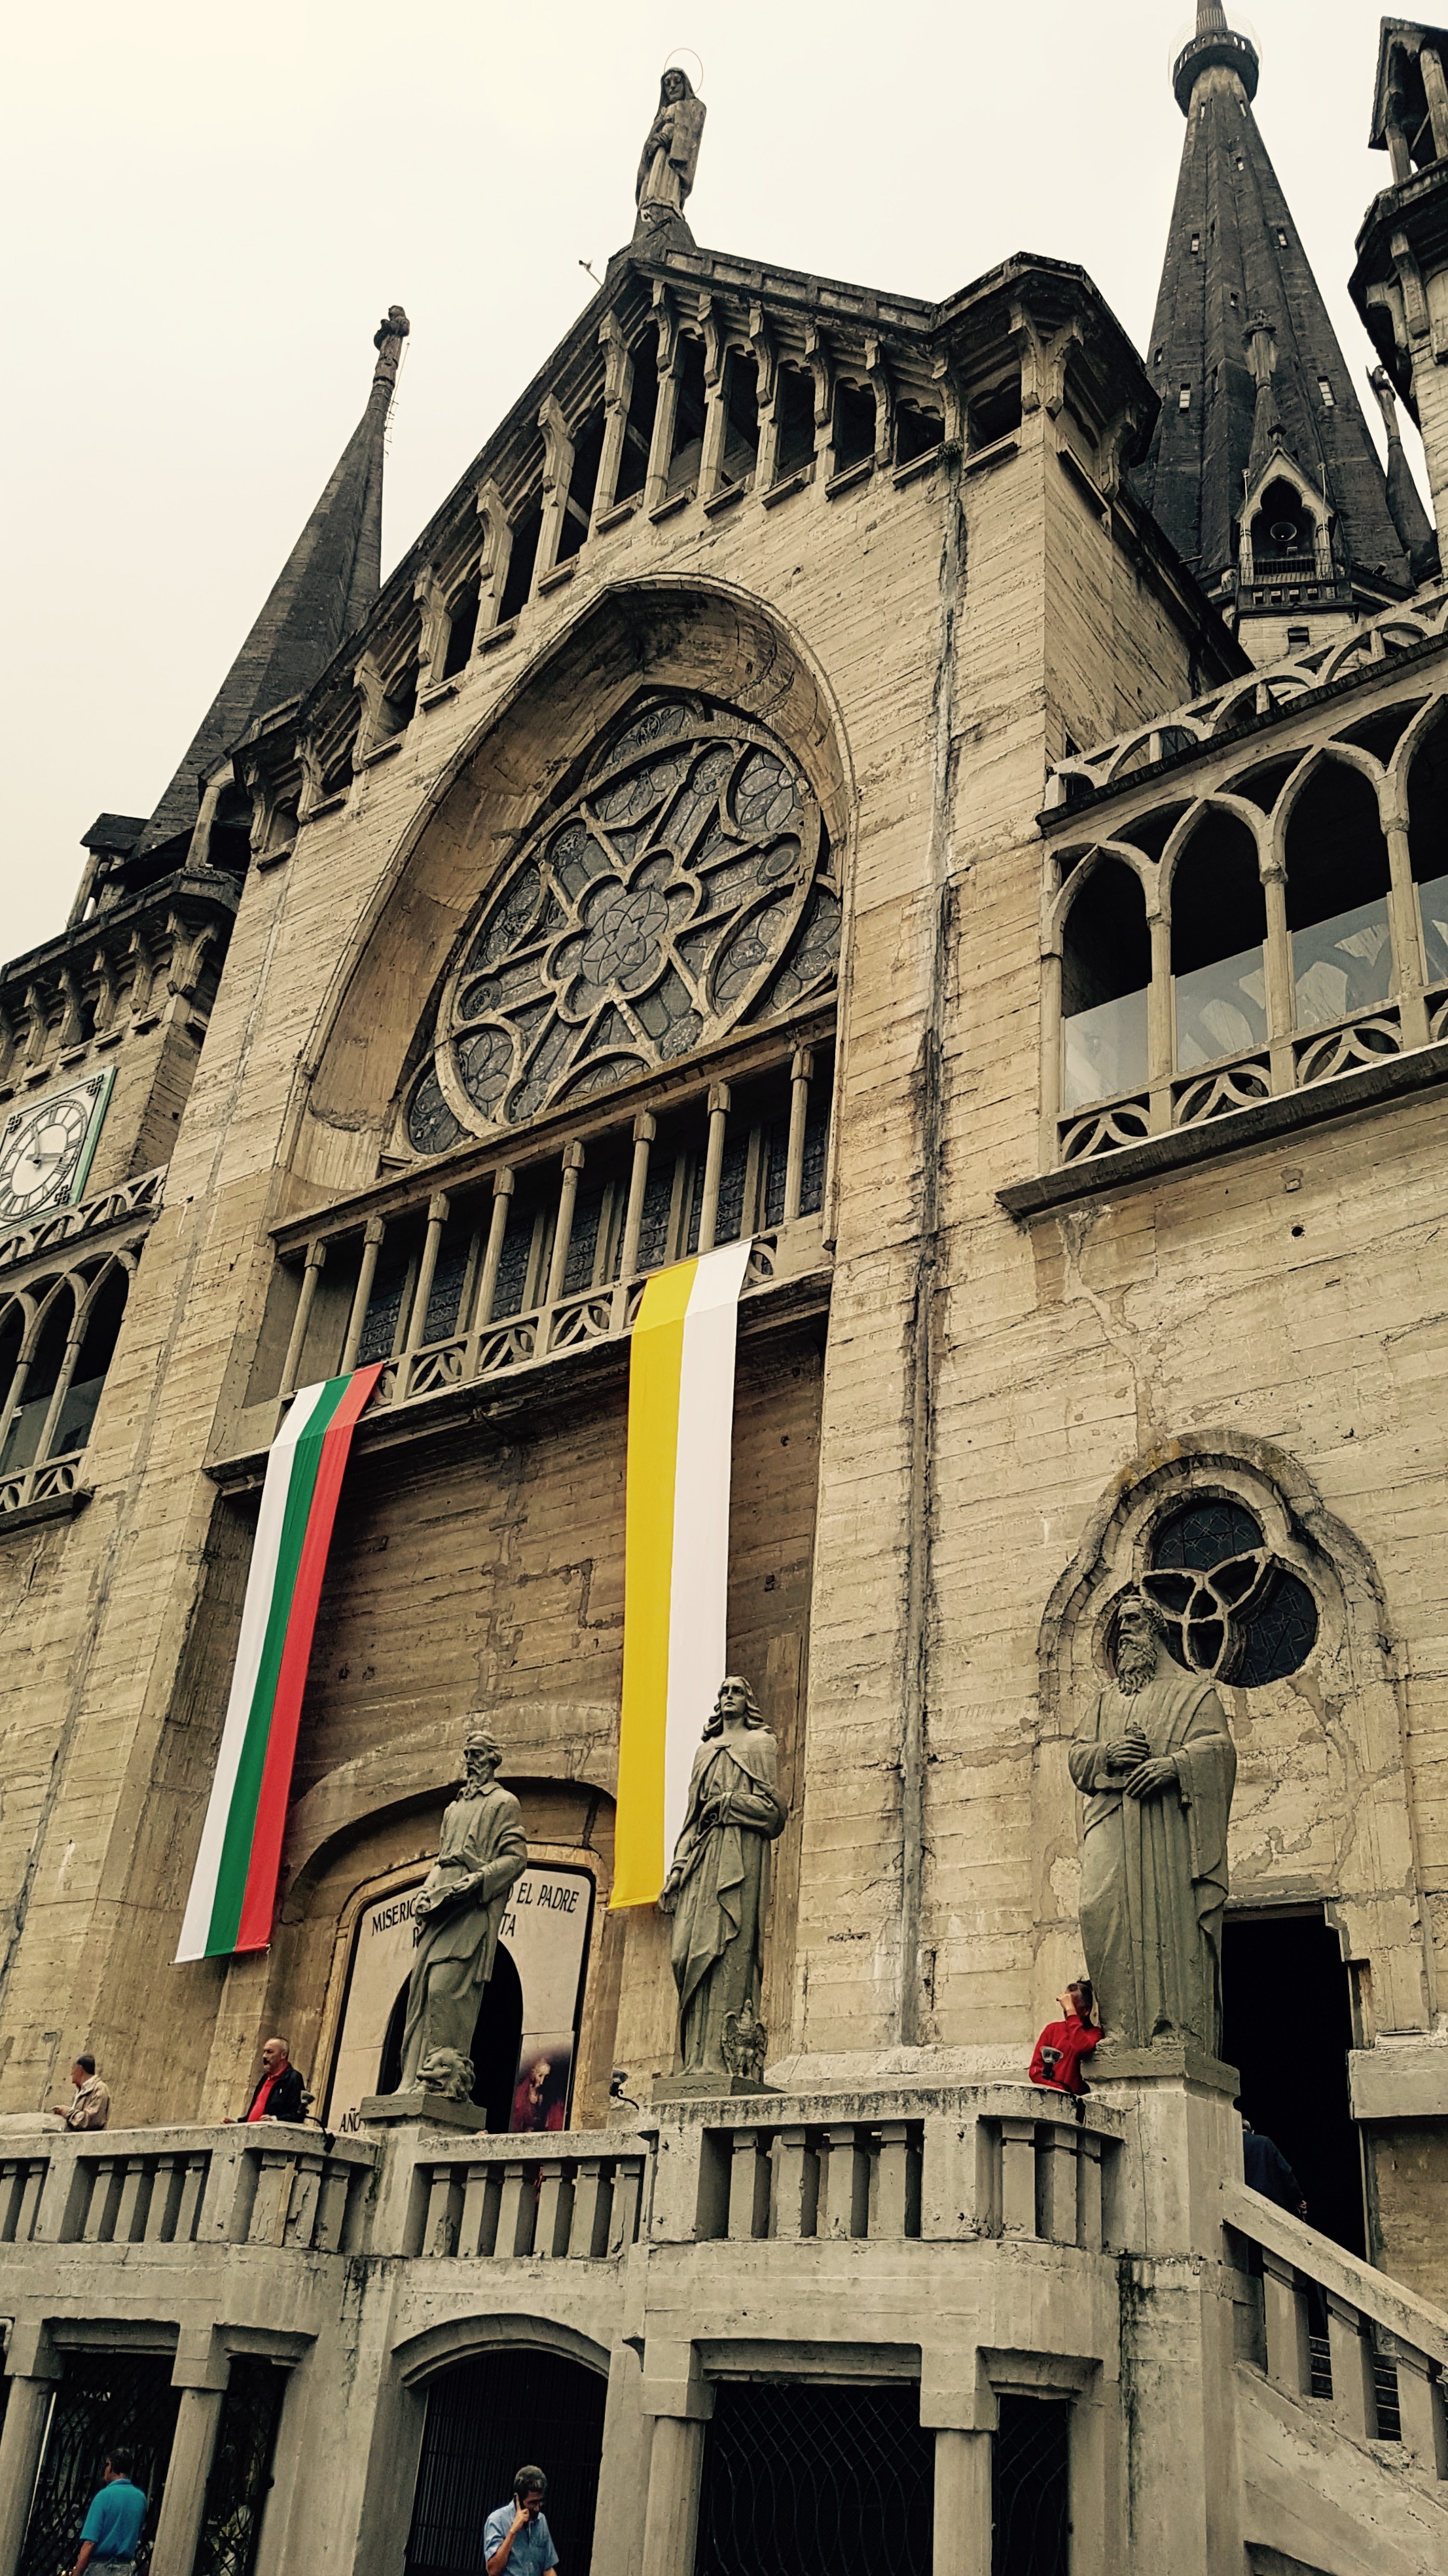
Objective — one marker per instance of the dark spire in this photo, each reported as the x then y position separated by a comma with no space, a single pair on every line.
1236,282
330,580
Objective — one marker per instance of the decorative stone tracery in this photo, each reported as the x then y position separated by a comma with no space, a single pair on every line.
684,889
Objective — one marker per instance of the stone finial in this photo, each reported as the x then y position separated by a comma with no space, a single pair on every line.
387,340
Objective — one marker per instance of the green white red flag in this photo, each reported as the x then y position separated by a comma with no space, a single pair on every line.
234,1884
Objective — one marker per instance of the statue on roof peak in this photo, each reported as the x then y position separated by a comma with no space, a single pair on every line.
671,152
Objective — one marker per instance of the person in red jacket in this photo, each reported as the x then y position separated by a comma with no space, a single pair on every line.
1063,2044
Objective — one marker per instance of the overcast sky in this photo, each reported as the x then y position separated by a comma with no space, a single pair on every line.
213,207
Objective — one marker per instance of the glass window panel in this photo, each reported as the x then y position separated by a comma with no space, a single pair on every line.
1106,1050
1221,1009
1433,904
1342,966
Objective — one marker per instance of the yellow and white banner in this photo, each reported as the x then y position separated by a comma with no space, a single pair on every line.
676,1566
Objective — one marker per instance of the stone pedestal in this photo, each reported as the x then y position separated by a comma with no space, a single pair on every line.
380,2108
709,2087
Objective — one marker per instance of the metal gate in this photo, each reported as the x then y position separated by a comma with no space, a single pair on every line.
241,2469
105,2398
485,2419
804,2480
1030,2488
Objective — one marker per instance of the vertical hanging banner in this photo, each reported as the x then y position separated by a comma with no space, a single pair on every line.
676,1564
234,1884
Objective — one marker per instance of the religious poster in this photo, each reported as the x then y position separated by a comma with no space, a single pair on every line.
545,1934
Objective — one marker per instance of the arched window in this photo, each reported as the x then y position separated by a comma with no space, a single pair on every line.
72,1428
35,1382
1428,839
1105,976
686,888
50,1380
1218,937
1337,899
1284,533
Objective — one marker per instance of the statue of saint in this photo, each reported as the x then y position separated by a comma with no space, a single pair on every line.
1156,1765
458,1914
671,154
718,1887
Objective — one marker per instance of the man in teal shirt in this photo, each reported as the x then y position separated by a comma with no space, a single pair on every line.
113,2525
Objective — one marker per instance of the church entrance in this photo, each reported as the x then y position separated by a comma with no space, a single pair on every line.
125,2398
1287,2027
487,2418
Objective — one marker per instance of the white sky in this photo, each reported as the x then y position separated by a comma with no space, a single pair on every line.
214,206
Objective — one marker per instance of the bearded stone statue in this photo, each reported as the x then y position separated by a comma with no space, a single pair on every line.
670,155
1155,1763
458,1913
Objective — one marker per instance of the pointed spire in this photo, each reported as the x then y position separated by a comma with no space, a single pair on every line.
329,582
1244,355
1411,520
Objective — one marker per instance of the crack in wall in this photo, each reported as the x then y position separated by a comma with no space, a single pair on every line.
1140,1352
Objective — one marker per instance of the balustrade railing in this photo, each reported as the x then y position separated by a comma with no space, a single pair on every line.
521,1262
496,2199
988,2161
44,1482
271,2184
1382,2364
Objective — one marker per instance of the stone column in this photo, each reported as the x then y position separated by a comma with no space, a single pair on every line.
193,2444
681,2400
962,2505
676,2470
21,2440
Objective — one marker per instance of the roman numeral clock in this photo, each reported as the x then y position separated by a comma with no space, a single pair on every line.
46,1148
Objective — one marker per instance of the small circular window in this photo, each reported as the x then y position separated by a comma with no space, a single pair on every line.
1230,1608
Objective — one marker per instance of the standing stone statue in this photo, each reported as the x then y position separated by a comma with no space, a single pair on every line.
718,1888
459,1911
1156,1765
671,153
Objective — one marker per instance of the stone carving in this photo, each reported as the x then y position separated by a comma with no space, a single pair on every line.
459,1912
718,1889
671,152
1155,1763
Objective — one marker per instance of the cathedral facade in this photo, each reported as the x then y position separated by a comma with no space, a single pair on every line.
958,811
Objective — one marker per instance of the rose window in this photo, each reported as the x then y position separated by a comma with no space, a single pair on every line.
686,889
1230,1609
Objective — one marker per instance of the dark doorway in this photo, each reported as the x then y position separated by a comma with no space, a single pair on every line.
497,2040
1031,2488
815,2479
105,2398
1287,2028
488,2418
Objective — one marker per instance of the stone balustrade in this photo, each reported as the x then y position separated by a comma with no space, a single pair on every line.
274,2184
1371,2322
576,2197
981,2161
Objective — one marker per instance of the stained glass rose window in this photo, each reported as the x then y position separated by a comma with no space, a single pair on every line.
1229,1608
684,890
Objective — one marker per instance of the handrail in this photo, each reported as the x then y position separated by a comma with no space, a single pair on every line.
1397,2310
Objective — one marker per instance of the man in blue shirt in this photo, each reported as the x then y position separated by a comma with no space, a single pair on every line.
113,2525
516,2539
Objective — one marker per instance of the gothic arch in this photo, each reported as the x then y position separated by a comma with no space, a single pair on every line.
1321,1813
651,634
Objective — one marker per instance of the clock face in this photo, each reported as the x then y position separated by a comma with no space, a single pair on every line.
46,1149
